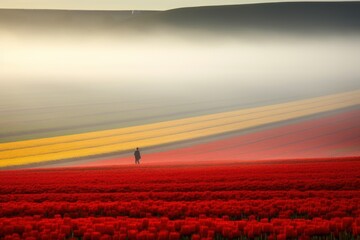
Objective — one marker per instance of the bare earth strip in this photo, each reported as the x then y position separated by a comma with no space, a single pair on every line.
150,135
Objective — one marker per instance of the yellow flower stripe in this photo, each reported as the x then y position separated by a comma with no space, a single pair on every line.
100,142
113,132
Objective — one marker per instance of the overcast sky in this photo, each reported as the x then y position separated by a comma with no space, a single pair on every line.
119,4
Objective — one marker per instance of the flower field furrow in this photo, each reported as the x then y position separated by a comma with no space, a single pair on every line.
297,199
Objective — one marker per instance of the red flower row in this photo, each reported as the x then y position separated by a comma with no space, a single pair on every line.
163,228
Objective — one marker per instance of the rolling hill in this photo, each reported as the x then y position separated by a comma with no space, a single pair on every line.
321,17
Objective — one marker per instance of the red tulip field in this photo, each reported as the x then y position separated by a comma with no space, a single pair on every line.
179,120
284,199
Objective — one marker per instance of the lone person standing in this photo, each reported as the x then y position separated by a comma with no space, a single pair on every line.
137,156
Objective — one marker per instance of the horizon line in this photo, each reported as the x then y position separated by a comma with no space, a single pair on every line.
117,7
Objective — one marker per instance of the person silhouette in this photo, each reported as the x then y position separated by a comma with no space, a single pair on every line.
137,156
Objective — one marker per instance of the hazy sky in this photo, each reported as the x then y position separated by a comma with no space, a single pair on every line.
120,4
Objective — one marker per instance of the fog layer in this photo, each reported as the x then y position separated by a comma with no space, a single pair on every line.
137,74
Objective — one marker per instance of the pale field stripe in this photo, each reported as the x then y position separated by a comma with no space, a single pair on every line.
182,136
151,133
167,124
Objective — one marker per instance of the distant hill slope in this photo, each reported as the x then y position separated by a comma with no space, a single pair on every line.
292,17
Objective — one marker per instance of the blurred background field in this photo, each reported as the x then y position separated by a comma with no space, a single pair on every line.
72,72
